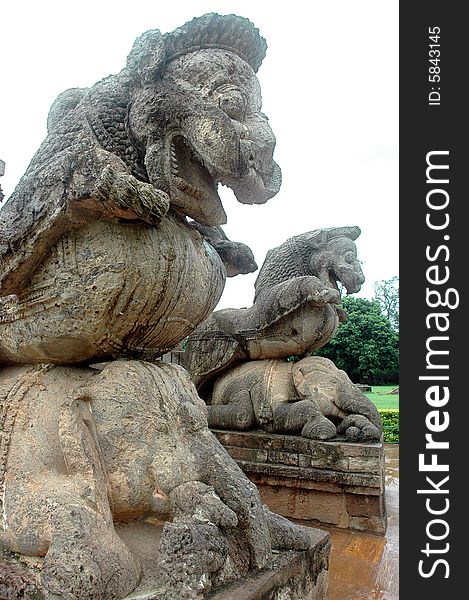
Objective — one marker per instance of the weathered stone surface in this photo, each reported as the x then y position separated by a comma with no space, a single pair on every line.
304,397
97,259
251,439
329,450
376,525
292,575
300,275
2,172
237,257
251,454
301,504
329,476
295,308
285,458
328,254
94,295
126,443
324,462
236,358
308,484
360,505
98,263
16,579
331,482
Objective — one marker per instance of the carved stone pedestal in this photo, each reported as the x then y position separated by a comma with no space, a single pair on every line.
293,574
316,482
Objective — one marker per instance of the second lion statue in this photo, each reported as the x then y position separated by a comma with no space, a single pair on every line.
237,357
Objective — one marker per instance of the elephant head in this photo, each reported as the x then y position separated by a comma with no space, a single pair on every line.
160,456
197,114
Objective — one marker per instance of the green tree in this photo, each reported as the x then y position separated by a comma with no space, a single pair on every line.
387,294
366,346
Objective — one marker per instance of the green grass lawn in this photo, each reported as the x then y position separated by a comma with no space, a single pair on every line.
381,397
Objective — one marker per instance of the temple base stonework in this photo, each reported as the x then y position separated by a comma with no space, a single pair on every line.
293,574
314,482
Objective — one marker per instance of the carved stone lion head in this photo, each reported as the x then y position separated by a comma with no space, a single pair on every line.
334,258
196,111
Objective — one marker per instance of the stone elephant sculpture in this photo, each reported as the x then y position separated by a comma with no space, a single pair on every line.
311,397
125,444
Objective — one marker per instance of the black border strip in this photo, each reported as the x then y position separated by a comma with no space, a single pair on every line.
430,125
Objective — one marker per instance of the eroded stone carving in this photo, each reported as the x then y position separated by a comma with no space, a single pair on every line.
295,311
298,278
98,261
122,166
237,257
129,442
296,307
310,397
2,172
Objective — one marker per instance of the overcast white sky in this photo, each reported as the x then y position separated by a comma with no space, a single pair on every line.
329,85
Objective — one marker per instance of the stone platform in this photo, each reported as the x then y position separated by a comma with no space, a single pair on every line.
293,574
314,482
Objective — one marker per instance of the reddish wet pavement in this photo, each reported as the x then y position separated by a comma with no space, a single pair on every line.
364,566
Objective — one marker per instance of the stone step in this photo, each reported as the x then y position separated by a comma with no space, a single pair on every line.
333,482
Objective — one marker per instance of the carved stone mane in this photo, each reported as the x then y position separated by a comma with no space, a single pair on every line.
125,163
293,257
125,125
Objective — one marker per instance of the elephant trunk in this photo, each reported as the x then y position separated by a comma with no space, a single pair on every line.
220,471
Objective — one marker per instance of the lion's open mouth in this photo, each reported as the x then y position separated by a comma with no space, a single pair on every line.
193,189
348,281
334,280
194,184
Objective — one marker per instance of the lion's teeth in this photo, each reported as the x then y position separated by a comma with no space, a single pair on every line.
189,189
173,160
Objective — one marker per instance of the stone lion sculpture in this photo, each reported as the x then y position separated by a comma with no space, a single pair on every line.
98,221
295,311
98,262
296,307
302,272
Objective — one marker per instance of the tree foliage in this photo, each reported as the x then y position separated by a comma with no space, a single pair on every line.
366,347
387,294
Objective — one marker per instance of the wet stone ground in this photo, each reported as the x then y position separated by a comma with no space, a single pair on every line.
364,566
